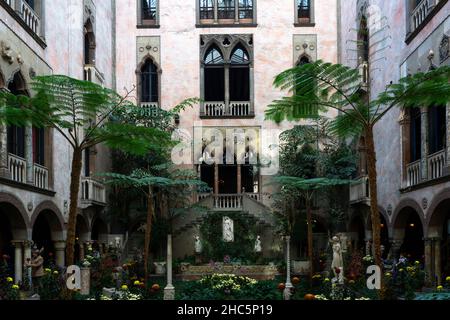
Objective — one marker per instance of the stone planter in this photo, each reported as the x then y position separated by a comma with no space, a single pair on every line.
160,268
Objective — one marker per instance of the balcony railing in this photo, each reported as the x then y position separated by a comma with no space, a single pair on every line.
359,190
228,202
29,16
436,164
40,176
93,191
219,109
17,168
420,13
92,74
413,174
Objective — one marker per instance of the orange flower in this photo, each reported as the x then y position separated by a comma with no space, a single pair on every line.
156,287
281,286
295,280
309,296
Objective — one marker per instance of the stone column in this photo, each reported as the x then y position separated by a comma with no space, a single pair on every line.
236,11
60,257
18,260
437,261
216,14
169,290
288,285
447,136
227,89
4,169
216,179
239,179
429,260
29,154
424,142
405,125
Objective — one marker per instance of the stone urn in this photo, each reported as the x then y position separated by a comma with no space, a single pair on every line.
160,268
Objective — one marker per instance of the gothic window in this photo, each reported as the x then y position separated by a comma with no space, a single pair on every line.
363,40
304,13
226,12
16,135
436,128
214,75
30,3
89,43
149,82
416,135
239,75
87,162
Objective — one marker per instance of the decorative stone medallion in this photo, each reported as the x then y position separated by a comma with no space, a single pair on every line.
424,203
389,210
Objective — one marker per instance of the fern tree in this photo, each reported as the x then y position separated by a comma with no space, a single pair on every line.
162,179
86,115
318,87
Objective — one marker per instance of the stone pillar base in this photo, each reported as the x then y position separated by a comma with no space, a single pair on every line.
169,292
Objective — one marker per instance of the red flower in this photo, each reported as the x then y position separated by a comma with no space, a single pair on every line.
281,286
337,270
114,270
50,254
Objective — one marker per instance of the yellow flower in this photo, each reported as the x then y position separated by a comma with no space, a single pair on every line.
388,274
15,287
47,270
401,270
447,279
136,283
9,279
55,272
440,288
124,287
326,280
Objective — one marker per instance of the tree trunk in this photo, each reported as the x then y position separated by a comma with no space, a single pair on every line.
374,213
148,231
310,238
73,208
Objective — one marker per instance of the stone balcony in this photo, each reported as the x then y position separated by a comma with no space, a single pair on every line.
222,109
18,172
421,14
92,192
417,175
359,191
92,74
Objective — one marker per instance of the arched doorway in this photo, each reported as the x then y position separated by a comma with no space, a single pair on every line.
384,235
408,228
99,234
439,236
47,229
12,227
357,234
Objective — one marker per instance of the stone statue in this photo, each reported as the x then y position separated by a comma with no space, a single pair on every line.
337,264
258,247
198,245
228,232
36,263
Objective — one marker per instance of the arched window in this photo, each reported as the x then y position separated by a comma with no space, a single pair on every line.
214,75
363,40
89,43
149,82
303,60
239,74
16,135
415,135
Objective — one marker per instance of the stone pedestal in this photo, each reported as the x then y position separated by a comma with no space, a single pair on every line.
85,281
60,257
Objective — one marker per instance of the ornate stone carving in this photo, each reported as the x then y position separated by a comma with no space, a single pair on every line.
424,203
148,47
444,49
389,210
32,73
226,42
6,52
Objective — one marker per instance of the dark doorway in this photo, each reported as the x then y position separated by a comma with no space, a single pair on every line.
227,179
42,237
413,246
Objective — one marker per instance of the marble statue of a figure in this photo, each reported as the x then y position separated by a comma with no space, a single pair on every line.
198,245
258,247
337,264
228,229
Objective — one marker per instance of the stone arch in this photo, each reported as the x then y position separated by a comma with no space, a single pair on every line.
302,57
406,203
99,230
54,218
436,214
18,80
17,216
239,42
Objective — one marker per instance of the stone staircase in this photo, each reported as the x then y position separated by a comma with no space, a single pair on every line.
247,204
